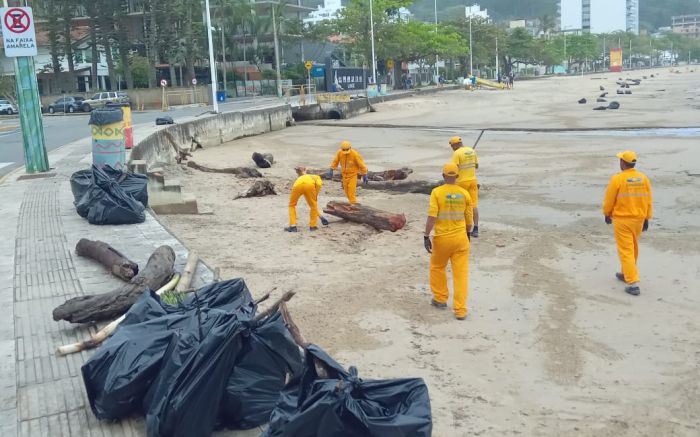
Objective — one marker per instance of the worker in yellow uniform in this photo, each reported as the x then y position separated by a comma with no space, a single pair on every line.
309,186
467,161
628,207
450,214
351,164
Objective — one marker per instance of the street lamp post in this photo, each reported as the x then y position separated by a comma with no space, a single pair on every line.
437,71
497,60
212,65
371,32
471,51
277,53
223,56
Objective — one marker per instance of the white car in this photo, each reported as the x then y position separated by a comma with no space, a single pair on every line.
7,108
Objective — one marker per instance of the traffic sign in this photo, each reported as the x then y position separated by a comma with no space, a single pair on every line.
390,64
194,81
309,65
163,83
19,38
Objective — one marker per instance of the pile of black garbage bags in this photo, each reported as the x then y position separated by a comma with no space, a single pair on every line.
207,363
107,196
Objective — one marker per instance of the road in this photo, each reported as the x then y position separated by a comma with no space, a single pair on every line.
64,129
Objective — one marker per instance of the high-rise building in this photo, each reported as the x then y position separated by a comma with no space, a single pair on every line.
599,16
475,11
687,25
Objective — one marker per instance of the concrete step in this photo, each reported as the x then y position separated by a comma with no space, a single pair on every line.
186,205
138,166
172,185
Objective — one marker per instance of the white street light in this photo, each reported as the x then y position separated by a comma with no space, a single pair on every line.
471,51
437,71
371,31
212,66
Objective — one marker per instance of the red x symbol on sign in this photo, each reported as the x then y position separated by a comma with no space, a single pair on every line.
17,20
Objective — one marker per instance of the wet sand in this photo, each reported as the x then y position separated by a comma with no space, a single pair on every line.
552,345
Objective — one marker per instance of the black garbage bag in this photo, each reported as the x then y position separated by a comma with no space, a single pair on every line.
133,184
118,376
185,397
341,404
231,295
106,203
260,373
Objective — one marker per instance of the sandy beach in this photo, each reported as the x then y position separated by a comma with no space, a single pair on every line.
552,345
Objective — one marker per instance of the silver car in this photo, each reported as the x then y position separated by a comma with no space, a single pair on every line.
7,108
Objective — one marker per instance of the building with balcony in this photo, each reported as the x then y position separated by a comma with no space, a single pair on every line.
688,25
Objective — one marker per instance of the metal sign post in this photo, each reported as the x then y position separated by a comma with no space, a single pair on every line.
164,104
20,42
309,65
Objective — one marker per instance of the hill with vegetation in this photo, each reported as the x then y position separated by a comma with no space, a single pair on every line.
653,13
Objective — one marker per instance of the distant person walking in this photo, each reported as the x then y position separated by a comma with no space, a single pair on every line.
511,79
628,207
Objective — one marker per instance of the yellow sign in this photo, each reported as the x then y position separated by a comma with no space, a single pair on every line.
390,64
332,98
309,65
616,60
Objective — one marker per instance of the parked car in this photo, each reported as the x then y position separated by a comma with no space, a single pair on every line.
7,108
67,104
100,100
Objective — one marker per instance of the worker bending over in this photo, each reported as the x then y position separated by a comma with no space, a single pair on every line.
467,161
351,164
307,185
450,214
628,207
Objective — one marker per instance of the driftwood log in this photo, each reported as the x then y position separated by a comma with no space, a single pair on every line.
241,172
376,218
259,189
375,176
418,187
187,272
110,305
117,264
263,160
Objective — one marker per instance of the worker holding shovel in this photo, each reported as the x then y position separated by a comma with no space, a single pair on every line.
450,214
351,164
309,186
467,161
628,207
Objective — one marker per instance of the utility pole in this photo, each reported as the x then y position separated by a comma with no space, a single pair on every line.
497,60
36,159
223,55
277,53
604,52
212,64
471,50
371,31
437,71
630,53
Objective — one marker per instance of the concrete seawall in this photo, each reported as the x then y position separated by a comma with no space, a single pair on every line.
161,147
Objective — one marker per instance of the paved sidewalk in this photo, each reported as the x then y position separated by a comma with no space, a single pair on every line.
42,394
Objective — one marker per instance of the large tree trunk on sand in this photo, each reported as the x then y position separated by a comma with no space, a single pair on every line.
376,176
376,218
119,265
241,172
419,187
110,305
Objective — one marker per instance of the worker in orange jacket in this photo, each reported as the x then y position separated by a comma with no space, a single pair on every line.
309,186
467,161
450,214
351,164
628,207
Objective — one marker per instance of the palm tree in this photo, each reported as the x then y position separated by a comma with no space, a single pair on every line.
547,24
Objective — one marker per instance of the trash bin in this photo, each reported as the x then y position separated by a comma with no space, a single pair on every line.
128,126
221,96
107,126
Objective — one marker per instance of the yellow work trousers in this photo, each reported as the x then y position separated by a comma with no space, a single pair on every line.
350,186
453,248
627,231
473,188
310,194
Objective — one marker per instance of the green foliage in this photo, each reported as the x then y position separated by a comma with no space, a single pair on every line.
139,69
